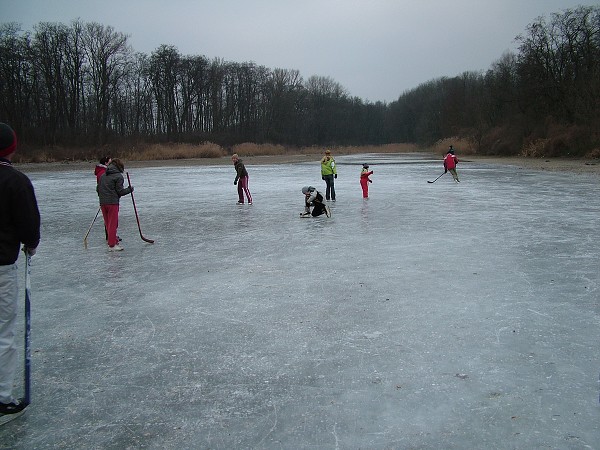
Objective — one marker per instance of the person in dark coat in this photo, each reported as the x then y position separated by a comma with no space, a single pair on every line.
314,198
110,190
19,224
241,179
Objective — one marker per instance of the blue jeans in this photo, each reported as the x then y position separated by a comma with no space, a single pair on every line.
330,191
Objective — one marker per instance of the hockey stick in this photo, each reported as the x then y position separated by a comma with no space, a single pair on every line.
27,381
90,228
436,178
136,215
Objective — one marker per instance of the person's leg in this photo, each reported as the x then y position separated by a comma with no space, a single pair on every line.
112,212
105,217
8,320
319,208
328,179
365,188
244,184
240,191
332,188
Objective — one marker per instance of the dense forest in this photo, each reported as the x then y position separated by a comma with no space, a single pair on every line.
83,85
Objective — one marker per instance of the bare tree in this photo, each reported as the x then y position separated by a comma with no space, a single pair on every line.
15,75
164,73
107,52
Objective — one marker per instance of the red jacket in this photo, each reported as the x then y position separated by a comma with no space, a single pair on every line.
364,176
450,161
99,171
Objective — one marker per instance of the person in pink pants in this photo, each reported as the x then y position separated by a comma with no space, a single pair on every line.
110,190
241,179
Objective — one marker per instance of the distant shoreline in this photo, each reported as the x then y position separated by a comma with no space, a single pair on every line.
575,165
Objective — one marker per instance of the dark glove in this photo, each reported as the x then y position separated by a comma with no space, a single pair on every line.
323,177
335,176
370,181
235,182
130,189
445,170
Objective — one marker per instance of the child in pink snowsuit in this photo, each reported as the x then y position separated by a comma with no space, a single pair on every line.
365,180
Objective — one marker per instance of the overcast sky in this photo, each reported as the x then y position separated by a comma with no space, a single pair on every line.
376,49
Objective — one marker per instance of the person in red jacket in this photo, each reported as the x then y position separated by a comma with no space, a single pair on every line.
450,162
365,180
100,170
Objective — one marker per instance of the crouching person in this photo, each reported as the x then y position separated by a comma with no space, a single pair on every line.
314,198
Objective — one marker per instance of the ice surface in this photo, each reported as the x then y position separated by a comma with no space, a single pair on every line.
430,315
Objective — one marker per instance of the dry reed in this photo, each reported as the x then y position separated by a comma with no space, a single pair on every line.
461,145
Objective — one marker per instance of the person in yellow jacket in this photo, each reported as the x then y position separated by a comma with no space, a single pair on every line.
328,174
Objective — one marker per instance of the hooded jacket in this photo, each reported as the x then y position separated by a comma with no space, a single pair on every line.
110,188
450,161
314,195
328,166
99,170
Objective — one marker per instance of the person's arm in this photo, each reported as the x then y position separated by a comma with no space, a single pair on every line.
28,218
120,190
239,170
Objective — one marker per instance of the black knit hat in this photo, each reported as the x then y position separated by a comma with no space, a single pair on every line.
8,140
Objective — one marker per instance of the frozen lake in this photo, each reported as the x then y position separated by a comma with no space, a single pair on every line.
428,316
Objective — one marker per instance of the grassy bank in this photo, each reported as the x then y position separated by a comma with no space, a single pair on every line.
208,150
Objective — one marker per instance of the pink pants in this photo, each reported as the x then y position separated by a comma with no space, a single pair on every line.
243,187
111,221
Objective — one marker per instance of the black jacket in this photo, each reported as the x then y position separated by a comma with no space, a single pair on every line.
19,213
240,170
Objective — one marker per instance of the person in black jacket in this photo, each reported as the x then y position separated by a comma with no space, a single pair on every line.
110,190
241,176
19,224
314,198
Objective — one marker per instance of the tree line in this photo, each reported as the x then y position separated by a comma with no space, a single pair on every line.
83,84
